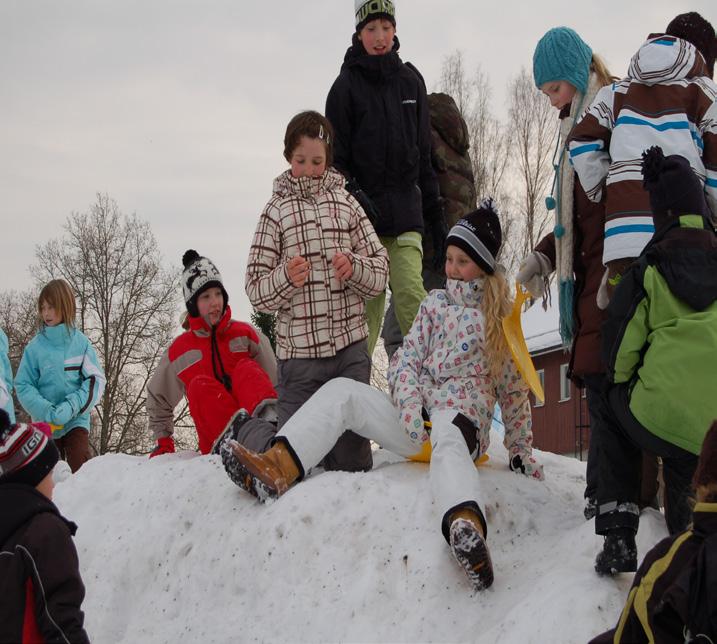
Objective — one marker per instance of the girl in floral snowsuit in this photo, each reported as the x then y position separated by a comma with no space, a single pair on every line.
453,366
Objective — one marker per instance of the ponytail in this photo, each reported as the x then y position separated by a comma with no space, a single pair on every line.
495,306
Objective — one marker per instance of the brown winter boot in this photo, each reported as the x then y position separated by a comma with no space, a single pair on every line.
275,468
467,539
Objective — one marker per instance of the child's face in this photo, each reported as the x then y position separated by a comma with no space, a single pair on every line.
308,158
49,315
210,304
377,36
461,267
559,92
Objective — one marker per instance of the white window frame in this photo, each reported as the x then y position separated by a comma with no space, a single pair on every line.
564,383
541,377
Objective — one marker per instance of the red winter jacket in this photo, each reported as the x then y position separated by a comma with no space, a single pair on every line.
217,353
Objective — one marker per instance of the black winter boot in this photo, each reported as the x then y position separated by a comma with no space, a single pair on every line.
231,431
619,552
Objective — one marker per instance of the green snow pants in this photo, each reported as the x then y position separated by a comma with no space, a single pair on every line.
405,256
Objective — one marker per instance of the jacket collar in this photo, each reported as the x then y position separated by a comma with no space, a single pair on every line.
20,503
58,335
704,518
286,185
374,68
199,326
465,293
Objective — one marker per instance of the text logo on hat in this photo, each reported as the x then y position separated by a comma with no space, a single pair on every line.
374,6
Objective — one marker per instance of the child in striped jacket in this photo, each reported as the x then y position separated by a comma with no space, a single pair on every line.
668,99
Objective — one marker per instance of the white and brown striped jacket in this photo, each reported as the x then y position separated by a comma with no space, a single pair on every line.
314,217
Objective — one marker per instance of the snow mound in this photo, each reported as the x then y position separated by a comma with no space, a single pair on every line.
171,551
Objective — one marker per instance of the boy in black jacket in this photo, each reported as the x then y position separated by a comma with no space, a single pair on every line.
40,585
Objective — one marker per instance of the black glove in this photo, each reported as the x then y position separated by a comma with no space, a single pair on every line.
364,200
439,231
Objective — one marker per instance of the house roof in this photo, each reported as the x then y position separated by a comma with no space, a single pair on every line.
540,327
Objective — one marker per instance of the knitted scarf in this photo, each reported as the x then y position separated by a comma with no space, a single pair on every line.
564,233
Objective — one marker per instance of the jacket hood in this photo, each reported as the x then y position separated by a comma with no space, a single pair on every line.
373,67
19,504
465,293
666,58
285,185
686,256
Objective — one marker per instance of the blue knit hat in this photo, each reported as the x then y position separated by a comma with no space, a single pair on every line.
562,55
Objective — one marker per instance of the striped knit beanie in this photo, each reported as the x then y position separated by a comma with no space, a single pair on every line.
693,28
562,55
27,455
478,234
368,10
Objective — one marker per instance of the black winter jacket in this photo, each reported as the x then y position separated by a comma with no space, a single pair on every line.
38,554
378,109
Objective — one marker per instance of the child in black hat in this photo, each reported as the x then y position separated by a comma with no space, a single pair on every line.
453,367
40,582
660,348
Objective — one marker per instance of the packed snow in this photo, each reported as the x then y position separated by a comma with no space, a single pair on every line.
172,551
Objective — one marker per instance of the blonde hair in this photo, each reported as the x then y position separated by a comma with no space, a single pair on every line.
496,304
60,297
598,66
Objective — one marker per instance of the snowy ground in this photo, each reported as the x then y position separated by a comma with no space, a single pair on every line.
171,551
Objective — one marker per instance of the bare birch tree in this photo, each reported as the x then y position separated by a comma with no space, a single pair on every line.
534,128
127,306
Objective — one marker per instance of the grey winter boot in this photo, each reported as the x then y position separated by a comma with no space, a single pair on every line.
619,552
467,541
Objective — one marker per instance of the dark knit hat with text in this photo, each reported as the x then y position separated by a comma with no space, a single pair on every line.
199,274
693,28
706,472
478,234
673,186
27,454
368,10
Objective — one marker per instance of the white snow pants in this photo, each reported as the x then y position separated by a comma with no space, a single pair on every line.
343,404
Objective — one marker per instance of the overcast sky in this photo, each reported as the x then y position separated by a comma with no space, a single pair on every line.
177,109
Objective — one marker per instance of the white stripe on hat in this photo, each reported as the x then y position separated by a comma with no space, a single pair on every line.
474,242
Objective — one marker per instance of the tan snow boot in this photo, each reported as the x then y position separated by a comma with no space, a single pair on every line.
467,539
275,468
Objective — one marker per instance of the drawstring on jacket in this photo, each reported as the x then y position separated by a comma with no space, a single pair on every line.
220,375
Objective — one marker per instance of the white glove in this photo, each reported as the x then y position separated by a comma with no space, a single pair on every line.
603,297
533,270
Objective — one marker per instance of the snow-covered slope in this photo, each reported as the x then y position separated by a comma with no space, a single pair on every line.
171,551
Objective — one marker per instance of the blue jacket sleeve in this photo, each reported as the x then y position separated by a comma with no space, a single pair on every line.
6,383
93,383
26,379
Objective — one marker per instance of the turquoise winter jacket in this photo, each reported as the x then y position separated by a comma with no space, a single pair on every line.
6,378
60,379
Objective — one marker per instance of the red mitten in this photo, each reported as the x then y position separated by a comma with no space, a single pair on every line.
165,445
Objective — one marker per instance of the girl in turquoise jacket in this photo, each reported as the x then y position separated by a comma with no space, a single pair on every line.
60,379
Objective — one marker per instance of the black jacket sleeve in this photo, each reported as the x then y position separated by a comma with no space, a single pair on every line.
427,180
338,111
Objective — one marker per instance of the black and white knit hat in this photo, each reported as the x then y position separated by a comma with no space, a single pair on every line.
478,234
673,186
367,10
27,455
199,274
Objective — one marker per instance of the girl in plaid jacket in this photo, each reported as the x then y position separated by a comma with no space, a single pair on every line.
314,261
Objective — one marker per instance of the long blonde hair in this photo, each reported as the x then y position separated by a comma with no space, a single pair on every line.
598,66
59,295
495,305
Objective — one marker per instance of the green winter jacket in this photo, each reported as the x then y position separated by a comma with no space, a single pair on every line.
661,333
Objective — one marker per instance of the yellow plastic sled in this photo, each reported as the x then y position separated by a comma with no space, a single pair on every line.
516,341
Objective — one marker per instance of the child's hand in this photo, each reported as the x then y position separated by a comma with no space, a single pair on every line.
528,466
61,414
343,267
298,269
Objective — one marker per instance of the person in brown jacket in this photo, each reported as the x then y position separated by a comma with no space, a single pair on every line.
41,590
570,74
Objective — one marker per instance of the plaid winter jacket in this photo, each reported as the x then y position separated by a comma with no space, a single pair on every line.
665,100
314,217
